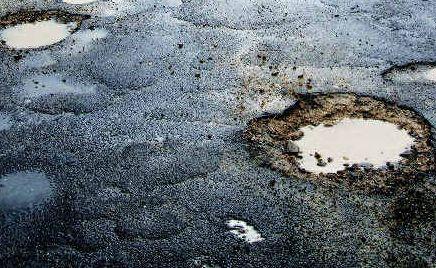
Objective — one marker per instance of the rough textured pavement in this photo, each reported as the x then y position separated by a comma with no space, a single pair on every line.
142,162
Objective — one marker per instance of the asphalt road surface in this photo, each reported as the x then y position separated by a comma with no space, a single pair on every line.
123,145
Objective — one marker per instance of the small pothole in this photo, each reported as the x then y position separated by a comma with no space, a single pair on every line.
344,138
36,29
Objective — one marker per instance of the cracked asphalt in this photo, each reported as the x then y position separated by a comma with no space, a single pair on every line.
142,161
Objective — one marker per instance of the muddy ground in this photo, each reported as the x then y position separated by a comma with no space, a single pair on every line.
144,162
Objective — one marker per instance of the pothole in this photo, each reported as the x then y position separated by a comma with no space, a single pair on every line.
344,138
31,30
412,73
24,190
244,231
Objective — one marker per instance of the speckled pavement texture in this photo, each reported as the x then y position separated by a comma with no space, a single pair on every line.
143,161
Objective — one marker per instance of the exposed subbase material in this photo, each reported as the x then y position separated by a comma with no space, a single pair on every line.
31,30
276,140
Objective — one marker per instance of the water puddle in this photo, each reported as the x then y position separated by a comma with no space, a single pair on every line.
24,190
368,143
244,231
31,30
37,34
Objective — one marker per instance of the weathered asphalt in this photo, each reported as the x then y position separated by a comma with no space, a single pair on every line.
145,170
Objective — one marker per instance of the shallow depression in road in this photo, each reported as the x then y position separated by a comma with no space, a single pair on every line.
23,190
364,142
36,34
46,85
79,2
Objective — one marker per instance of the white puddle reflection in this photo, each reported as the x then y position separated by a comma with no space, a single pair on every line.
79,2
36,34
244,231
351,141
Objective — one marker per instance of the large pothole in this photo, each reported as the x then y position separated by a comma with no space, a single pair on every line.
362,142
35,29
